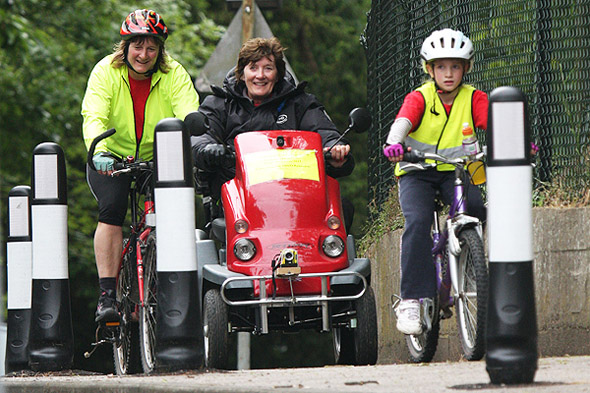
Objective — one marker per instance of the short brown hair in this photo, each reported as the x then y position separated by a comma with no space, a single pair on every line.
255,49
120,51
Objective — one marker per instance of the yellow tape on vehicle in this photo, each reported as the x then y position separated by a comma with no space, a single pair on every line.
281,164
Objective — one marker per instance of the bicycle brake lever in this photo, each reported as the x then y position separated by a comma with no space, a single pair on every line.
115,173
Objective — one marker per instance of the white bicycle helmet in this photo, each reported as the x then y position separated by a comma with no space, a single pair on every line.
446,44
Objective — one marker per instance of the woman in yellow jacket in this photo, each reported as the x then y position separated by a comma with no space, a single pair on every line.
430,120
130,90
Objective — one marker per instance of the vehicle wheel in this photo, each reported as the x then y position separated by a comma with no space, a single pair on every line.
358,345
147,312
422,347
216,330
471,304
126,349
343,340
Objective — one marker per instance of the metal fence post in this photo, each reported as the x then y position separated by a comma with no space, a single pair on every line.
512,322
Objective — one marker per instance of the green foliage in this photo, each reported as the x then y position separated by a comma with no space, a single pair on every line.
386,218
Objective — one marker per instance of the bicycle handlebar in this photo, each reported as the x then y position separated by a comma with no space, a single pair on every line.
416,156
99,138
119,167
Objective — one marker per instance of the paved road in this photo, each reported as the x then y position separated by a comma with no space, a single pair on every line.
563,375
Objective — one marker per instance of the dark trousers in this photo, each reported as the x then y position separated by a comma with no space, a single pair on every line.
416,196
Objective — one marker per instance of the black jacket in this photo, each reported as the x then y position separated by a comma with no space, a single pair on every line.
231,112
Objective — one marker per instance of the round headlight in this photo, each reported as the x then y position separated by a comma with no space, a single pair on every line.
241,226
244,249
333,222
333,246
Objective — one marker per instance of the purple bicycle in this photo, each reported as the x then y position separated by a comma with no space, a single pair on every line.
461,266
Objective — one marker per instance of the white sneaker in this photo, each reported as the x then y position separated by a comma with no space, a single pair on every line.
408,317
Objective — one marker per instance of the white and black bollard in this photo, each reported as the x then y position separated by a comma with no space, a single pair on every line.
179,334
512,355
51,336
19,256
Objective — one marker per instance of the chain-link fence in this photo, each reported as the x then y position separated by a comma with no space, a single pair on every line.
540,46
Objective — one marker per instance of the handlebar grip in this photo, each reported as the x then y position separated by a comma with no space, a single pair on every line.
99,138
413,156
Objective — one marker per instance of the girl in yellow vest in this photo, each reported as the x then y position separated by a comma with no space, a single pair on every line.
430,120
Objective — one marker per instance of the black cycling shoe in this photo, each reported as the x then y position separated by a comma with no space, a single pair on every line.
107,310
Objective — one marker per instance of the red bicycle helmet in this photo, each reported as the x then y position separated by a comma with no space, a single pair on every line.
144,22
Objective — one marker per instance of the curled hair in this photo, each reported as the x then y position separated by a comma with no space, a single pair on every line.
257,48
121,49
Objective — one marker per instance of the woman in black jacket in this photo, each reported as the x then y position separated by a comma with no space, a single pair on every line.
259,94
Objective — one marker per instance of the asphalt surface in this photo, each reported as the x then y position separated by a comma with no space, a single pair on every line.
563,375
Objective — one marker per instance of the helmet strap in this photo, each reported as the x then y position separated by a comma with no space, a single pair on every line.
147,73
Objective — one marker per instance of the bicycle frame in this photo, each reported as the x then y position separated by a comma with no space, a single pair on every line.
446,240
140,229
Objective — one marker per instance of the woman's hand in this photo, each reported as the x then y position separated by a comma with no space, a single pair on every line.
338,154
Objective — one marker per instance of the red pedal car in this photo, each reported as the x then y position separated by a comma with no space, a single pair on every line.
286,262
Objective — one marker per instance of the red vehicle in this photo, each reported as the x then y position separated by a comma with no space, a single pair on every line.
286,262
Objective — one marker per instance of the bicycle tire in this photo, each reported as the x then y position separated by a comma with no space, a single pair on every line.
471,304
126,355
422,347
216,330
147,312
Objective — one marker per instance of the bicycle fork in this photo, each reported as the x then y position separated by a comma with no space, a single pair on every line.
141,239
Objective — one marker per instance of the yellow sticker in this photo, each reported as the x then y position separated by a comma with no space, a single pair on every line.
281,164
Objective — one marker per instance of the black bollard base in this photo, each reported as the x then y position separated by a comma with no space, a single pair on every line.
511,365
17,340
179,356
512,354
51,338
179,332
50,358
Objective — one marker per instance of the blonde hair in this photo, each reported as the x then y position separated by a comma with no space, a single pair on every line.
121,48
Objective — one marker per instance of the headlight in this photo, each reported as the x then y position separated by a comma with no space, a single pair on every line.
333,222
244,249
333,246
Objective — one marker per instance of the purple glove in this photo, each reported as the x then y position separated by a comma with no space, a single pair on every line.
534,148
391,151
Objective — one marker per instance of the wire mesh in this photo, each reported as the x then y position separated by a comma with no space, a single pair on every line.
539,46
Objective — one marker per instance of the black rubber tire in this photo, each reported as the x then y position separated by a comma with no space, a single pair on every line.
358,346
215,330
343,341
422,347
126,351
147,313
472,310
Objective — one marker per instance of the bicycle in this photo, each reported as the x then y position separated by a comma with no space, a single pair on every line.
133,338
462,274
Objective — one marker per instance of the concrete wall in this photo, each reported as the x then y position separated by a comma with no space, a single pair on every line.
562,285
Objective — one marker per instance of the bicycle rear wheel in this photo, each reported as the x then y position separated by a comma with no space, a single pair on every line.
471,304
147,313
422,347
126,347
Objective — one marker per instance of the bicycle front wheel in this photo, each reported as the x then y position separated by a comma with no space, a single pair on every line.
471,302
422,347
147,313
126,347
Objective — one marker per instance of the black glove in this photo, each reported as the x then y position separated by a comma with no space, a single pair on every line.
214,154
